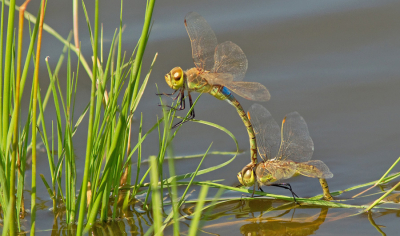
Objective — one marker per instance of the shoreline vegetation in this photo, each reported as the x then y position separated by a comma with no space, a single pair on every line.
111,183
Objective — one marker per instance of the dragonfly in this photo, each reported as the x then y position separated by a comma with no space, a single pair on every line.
219,70
285,152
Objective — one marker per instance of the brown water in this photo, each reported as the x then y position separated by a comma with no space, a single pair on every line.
335,62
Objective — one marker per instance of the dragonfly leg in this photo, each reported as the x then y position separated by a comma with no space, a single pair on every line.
288,187
254,190
168,94
182,102
191,115
254,187
181,97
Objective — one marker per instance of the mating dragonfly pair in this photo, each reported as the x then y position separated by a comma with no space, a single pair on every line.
220,69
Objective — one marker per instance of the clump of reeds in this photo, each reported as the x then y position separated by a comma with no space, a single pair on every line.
107,188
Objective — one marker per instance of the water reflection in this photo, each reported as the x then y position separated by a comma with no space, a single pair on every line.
249,217
268,217
377,227
133,221
281,226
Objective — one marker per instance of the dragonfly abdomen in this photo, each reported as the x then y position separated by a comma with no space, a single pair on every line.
223,93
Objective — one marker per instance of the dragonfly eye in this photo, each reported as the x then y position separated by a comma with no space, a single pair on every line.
176,73
246,177
248,174
175,78
240,178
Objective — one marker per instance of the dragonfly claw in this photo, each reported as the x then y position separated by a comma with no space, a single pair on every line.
288,187
182,122
167,94
170,107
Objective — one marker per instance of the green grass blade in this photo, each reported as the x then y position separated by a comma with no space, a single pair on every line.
155,198
47,186
194,175
7,73
52,32
144,84
82,207
381,179
1,62
34,118
194,226
88,24
377,201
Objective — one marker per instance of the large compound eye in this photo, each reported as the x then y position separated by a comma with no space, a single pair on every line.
175,78
246,176
240,178
176,73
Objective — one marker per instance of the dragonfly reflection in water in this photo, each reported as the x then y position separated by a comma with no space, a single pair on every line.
219,69
284,152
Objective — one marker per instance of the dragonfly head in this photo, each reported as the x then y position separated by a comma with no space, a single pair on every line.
175,78
246,176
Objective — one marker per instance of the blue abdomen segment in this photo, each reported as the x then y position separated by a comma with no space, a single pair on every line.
228,94
225,91
222,93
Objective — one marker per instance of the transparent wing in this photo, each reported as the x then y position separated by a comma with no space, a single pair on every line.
229,58
217,78
267,131
281,169
250,90
314,169
296,143
202,39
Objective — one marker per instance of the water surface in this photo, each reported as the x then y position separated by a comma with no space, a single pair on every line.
334,62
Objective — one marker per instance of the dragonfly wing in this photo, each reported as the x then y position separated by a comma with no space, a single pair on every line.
314,169
296,143
250,90
229,58
217,78
281,169
202,39
267,131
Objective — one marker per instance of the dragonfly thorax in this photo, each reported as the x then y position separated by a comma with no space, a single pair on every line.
264,176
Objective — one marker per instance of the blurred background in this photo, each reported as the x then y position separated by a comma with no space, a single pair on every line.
337,63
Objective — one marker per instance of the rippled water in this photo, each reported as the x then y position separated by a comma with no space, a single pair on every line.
335,62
